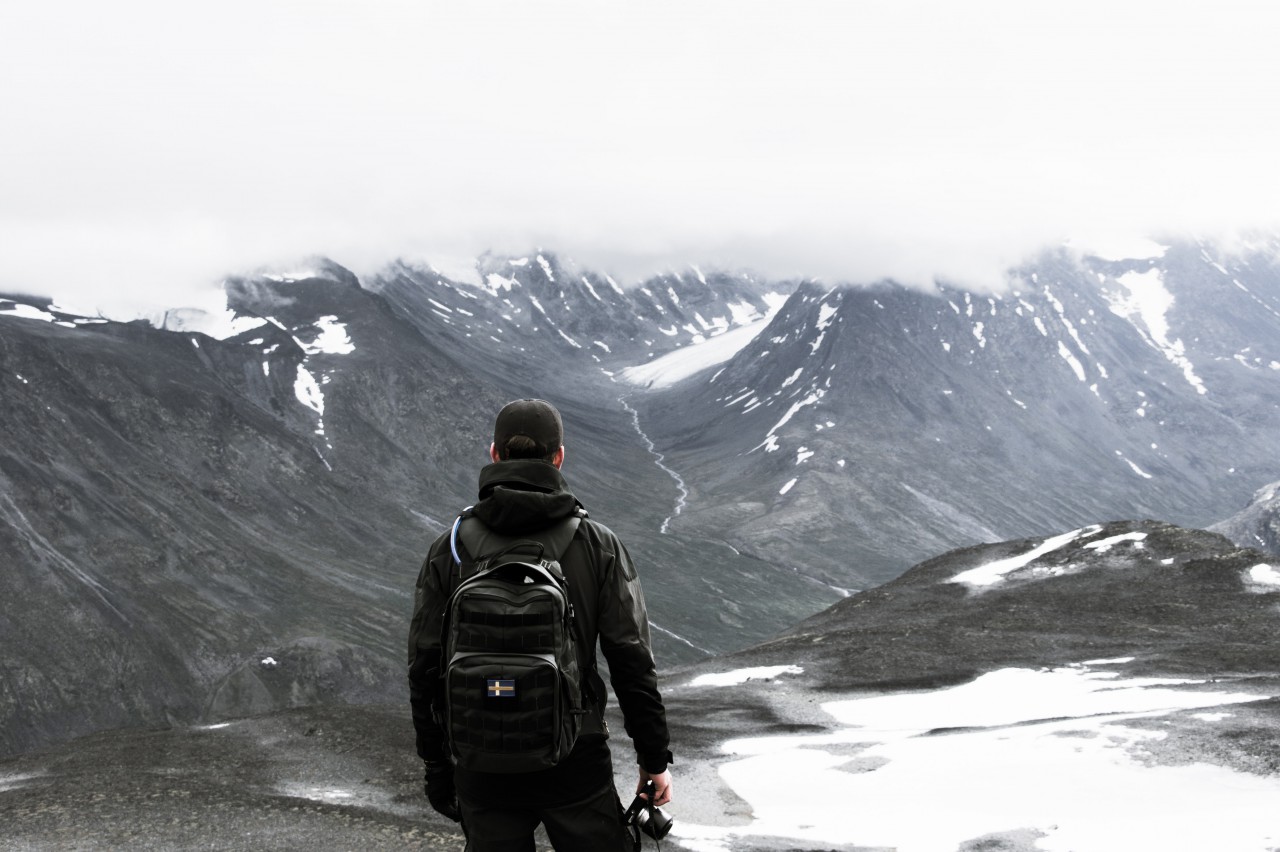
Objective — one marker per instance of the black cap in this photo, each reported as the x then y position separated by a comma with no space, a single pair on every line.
534,418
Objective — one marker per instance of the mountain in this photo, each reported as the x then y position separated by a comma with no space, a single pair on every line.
1113,686
221,514
1177,600
868,427
538,321
179,542
1258,524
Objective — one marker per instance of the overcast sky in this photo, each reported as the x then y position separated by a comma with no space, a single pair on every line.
147,149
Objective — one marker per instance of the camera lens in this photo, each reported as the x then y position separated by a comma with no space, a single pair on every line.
654,822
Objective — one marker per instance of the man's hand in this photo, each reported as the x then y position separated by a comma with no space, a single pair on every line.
438,785
661,786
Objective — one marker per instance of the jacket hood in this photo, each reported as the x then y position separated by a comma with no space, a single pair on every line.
523,496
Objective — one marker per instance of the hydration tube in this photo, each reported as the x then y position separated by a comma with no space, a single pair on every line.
453,536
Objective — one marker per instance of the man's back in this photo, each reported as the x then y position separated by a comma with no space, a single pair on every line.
525,498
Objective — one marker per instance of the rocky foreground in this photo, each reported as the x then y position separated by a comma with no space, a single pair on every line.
1114,687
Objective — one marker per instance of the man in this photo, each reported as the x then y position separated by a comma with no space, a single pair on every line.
523,496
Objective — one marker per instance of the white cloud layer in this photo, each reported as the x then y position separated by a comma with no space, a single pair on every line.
150,148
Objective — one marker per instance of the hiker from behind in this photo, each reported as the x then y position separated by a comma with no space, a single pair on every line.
508,704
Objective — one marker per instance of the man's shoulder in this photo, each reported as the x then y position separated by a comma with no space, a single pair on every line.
440,547
599,536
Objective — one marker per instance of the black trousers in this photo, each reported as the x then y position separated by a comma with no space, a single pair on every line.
592,825
576,802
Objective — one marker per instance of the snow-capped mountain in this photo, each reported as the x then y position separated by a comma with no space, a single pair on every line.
226,513
195,496
866,426
536,319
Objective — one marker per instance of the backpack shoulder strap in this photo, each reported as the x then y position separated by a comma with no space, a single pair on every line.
470,537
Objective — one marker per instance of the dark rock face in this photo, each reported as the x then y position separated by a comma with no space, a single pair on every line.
1258,525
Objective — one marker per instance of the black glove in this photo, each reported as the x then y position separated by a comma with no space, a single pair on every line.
438,785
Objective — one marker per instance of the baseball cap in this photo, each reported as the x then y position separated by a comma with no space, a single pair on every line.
534,418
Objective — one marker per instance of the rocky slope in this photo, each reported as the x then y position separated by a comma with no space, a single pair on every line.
868,428
1258,524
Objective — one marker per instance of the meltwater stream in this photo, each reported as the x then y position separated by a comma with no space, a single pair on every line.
658,460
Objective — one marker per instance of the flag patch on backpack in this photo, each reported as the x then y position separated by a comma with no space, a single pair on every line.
511,687
501,688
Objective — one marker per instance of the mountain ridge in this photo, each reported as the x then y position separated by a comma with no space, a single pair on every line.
271,489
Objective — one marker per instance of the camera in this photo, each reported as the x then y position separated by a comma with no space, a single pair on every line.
652,820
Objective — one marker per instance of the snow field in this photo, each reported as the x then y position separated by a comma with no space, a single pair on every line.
921,772
687,360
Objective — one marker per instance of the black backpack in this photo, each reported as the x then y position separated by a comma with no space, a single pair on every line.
511,684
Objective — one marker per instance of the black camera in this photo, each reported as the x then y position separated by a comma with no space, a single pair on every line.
650,819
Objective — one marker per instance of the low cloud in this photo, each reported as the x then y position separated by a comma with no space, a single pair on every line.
839,141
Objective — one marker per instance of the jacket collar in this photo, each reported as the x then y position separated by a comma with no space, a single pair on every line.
528,474
523,496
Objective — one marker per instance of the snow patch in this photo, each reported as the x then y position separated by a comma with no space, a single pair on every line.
1264,575
26,312
688,360
1106,544
1146,307
332,340
499,284
307,390
1071,359
826,313
1134,467
812,399
994,572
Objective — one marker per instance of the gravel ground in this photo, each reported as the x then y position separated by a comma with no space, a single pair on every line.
346,777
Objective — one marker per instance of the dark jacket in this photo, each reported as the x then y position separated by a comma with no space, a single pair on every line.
521,498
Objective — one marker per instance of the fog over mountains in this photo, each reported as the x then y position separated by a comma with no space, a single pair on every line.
207,517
